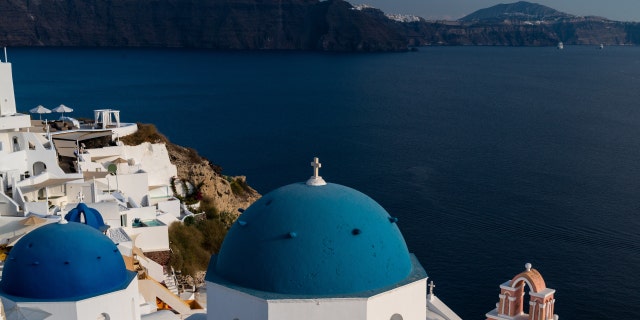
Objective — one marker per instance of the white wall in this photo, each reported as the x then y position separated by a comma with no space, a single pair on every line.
7,98
74,188
319,309
15,161
154,269
151,238
133,186
171,207
120,305
152,158
16,121
40,154
226,304
109,210
409,301
40,208
123,305
143,213
161,194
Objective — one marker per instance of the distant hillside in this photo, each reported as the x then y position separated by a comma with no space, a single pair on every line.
523,24
519,11
330,25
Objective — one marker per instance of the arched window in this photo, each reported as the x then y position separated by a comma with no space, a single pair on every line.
396,316
38,168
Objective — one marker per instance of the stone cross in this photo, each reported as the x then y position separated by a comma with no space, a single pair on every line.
316,179
316,166
431,286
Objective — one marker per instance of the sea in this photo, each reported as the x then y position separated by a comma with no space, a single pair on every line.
491,157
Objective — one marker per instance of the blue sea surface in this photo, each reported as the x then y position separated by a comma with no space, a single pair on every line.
491,157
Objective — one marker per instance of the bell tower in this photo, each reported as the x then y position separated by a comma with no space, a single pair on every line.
511,298
9,119
7,98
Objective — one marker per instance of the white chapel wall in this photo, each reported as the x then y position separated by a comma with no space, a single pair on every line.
225,304
409,301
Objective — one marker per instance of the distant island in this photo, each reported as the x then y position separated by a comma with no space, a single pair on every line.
312,25
523,24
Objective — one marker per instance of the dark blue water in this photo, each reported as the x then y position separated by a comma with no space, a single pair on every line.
490,157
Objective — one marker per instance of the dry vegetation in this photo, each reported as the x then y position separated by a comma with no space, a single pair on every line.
146,133
193,242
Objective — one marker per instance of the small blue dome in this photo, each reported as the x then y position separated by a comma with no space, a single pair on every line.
92,217
314,240
64,262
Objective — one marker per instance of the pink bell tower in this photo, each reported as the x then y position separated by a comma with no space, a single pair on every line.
511,304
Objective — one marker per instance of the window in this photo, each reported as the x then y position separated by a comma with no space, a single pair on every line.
104,316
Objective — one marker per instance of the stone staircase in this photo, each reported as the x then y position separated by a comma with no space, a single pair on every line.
170,281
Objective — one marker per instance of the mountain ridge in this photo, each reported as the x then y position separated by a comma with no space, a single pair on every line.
521,10
329,25
304,25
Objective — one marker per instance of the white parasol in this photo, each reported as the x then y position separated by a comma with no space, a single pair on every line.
40,110
62,109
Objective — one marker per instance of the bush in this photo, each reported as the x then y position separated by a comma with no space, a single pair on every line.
193,242
213,233
187,253
145,133
189,221
239,187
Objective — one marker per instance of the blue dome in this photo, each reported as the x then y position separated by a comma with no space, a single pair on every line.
314,240
91,216
63,262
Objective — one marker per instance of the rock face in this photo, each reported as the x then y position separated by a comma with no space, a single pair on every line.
200,171
330,25
523,24
228,193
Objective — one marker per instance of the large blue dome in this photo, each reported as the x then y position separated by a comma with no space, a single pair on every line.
64,262
314,240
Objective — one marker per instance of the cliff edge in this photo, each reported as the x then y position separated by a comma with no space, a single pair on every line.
228,194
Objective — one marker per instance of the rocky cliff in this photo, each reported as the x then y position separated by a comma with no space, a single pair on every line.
580,31
228,194
330,25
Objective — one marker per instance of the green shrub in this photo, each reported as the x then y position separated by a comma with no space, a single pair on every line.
193,242
189,221
239,187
